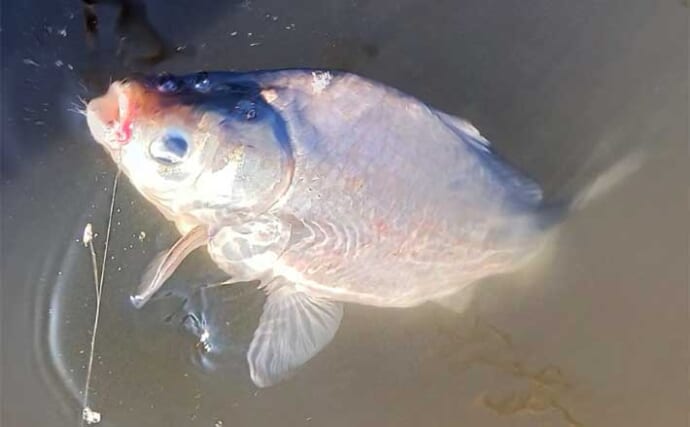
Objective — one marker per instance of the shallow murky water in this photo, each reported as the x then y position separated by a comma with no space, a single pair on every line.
595,334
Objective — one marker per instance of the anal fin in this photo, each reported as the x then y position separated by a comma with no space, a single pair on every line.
293,328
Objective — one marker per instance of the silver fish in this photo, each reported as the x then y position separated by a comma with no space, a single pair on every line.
324,185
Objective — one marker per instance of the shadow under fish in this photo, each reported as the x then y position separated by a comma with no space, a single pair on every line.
326,187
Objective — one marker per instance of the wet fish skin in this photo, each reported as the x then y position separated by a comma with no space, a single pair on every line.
326,186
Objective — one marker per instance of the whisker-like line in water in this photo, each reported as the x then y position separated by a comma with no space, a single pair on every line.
78,107
88,415
75,109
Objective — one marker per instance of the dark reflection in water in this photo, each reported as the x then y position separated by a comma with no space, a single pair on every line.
223,320
597,336
133,30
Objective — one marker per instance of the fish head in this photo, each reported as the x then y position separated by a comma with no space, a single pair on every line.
196,146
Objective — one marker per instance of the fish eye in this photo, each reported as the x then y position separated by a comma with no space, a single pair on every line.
169,149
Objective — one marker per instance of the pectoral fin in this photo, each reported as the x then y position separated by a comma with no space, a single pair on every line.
293,328
166,262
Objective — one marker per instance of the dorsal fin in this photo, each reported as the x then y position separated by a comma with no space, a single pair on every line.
464,128
525,189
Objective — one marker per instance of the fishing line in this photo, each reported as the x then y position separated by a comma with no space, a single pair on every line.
88,415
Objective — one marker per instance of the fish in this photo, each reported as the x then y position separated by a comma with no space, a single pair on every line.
326,188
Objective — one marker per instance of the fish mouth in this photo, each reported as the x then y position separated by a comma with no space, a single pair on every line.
109,116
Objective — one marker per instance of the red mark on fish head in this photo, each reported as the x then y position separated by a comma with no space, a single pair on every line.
126,107
123,132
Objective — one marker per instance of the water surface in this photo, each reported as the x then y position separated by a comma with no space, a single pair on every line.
596,334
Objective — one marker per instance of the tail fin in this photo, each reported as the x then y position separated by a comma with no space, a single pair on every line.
553,213
607,181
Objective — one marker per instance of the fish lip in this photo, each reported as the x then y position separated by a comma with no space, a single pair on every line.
110,115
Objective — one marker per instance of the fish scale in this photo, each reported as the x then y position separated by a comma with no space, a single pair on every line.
420,168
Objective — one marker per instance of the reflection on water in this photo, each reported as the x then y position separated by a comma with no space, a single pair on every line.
223,320
138,40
